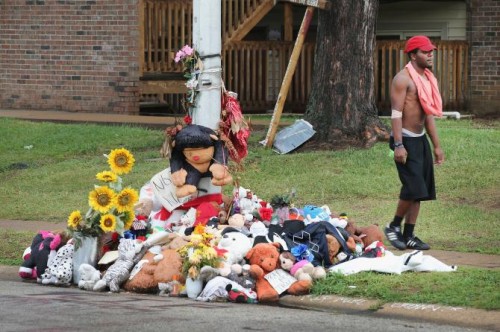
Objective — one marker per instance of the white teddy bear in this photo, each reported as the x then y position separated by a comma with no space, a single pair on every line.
89,276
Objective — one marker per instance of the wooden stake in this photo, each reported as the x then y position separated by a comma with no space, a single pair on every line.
285,85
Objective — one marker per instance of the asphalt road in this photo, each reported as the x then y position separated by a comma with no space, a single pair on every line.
27,306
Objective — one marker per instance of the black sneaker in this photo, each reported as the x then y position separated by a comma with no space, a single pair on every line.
417,244
395,237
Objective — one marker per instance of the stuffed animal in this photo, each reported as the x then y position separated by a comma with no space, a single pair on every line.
236,221
264,259
60,270
157,268
197,152
241,275
129,253
237,246
89,275
301,270
365,235
43,248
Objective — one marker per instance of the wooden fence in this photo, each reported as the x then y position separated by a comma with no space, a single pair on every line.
255,69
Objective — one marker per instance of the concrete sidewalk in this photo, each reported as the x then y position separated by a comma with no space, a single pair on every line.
158,122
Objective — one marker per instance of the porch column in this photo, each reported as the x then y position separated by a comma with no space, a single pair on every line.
208,42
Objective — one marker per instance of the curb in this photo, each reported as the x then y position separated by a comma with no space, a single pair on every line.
458,316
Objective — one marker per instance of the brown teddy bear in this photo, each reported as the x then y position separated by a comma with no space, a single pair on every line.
365,235
158,268
263,259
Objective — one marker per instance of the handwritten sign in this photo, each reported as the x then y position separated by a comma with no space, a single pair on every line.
321,4
164,190
280,280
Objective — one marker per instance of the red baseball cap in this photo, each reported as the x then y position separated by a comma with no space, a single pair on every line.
421,42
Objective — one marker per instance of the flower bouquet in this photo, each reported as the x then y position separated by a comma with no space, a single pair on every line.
191,67
199,253
111,206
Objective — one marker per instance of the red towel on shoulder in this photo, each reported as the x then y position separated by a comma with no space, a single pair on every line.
429,99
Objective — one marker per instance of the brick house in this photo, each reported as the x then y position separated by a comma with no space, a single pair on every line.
95,56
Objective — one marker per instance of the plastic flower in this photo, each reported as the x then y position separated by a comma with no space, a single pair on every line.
101,199
126,199
107,176
187,50
121,161
108,222
74,219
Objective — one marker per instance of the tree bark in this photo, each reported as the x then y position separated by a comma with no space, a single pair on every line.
341,104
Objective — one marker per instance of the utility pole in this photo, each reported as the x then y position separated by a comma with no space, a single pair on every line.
207,41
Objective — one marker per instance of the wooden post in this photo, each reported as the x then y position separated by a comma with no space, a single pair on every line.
285,85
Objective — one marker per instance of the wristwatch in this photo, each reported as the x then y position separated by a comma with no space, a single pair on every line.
398,145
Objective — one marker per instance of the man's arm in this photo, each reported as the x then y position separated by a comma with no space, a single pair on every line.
398,95
430,127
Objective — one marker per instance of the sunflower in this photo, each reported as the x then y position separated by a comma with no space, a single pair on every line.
108,223
74,219
128,219
121,161
107,176
101,199
126,199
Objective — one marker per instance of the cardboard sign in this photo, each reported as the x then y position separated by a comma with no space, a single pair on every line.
164,190
280,280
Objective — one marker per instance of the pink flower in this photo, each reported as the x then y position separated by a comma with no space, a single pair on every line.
187,50
179,55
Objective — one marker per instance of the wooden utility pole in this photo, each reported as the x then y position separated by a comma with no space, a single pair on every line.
207,41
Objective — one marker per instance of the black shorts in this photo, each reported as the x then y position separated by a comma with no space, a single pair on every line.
417,175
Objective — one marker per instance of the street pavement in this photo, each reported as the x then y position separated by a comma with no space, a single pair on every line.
456,316
439,314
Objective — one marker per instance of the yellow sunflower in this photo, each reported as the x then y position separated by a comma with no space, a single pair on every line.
101,199
108,222
107,176
129,219
126,199
121,161
74,219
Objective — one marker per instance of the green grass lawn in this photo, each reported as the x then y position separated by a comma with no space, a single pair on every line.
47,170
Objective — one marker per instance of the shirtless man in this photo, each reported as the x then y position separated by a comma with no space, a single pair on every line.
415,100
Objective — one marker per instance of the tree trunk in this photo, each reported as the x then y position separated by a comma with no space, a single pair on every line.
342,103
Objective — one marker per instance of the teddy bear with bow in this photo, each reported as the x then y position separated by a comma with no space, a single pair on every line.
302,269
264,259
197,152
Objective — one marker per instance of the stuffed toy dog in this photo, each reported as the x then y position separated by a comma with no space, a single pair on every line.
60,270
197,152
